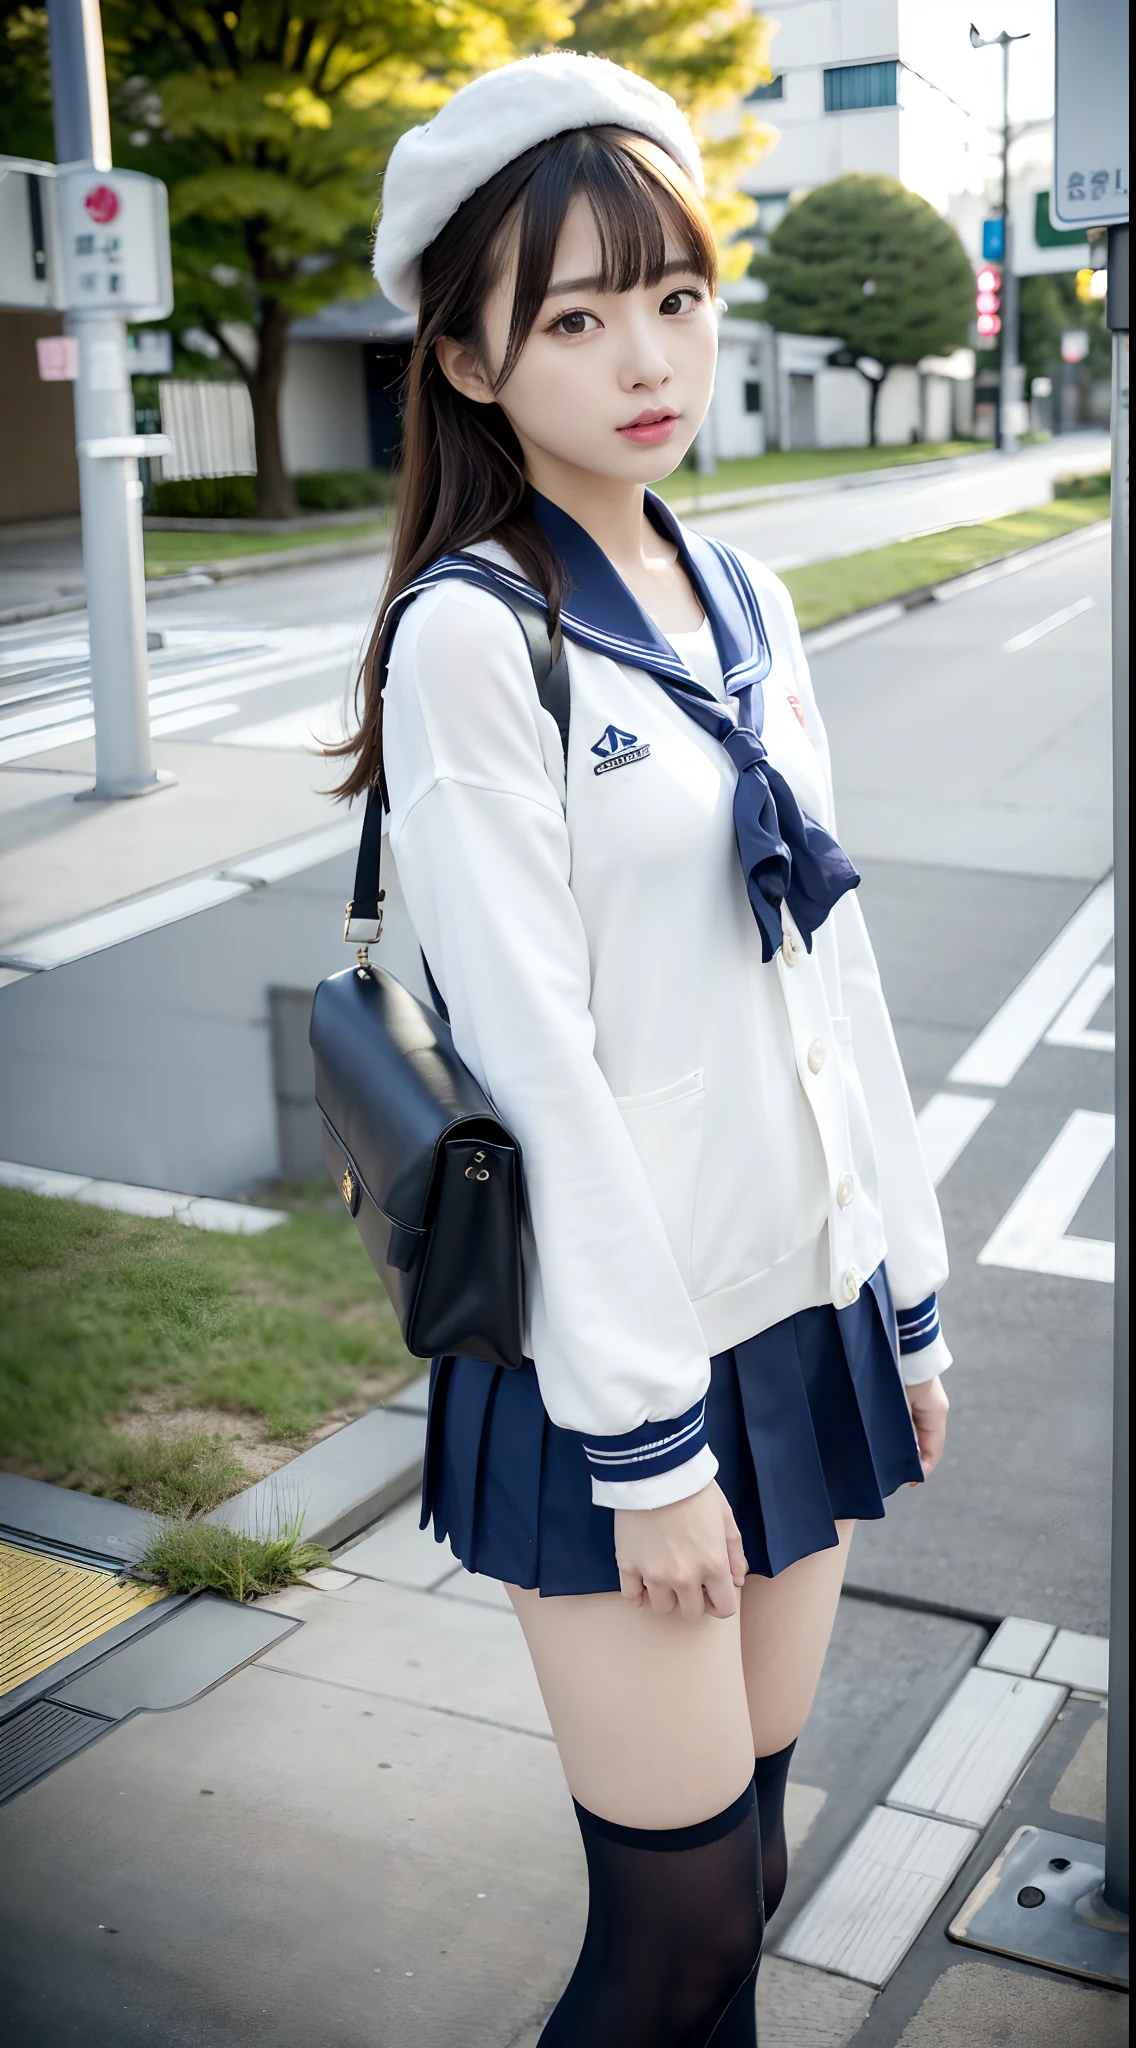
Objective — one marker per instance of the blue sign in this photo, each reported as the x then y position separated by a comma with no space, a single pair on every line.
994,240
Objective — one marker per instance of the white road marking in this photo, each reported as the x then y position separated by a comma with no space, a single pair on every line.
61,944
1073,1026
947,1123
1005,1043
1049,625
86,935
1031,1238
294,654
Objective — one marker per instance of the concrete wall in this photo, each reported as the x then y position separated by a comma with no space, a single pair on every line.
152,1062
323,410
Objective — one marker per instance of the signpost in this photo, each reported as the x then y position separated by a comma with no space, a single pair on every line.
112,264
1059,1899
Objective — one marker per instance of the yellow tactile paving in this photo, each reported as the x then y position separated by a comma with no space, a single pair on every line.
49,1607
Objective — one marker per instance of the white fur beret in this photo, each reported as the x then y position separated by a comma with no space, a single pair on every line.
490,122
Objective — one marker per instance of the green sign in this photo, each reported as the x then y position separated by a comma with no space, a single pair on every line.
1046,235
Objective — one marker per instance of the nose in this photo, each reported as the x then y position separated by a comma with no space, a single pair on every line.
645,365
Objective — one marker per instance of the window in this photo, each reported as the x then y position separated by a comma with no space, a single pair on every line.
860,85
753,398
775,90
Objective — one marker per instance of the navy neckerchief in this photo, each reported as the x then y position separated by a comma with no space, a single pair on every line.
787,858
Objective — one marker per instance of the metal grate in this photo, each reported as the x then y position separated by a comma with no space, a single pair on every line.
50,1607
38,1738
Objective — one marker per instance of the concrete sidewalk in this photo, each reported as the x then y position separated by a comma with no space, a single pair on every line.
363,1837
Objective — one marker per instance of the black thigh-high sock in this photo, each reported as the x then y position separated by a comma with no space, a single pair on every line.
674,1927
738,2025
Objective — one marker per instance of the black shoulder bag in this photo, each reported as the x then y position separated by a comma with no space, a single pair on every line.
426,1167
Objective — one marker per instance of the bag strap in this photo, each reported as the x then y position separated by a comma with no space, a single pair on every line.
364,921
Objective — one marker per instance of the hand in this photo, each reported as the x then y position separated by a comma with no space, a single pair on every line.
687,1555
929,1409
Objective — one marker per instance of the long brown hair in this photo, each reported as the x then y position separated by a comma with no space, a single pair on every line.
462,469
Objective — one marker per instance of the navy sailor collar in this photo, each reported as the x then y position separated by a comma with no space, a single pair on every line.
600,611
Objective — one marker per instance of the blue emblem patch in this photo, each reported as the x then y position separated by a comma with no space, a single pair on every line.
617,749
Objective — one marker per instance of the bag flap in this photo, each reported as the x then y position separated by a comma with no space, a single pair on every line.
392,1086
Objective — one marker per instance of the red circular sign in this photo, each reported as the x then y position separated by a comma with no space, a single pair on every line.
102,204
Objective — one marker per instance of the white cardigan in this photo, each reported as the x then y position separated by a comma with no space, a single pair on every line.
710,1143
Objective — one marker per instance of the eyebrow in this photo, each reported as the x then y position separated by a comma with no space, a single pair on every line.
595,284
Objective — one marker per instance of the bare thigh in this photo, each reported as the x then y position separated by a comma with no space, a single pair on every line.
786,1623
649,1711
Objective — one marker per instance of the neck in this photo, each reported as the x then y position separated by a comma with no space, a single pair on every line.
609,510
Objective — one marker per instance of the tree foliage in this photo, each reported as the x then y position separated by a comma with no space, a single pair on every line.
271,125
872,264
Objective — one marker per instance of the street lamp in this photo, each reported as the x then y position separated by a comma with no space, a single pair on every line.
1010,373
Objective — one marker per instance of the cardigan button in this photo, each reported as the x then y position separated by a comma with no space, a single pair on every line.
845,1189
790,951
816,1055
851,1285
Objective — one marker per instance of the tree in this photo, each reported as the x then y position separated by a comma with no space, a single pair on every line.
708,54
1049,306
271,125
873,265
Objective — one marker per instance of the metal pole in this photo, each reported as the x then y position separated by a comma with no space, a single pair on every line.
110,495
1009,378
1116,1796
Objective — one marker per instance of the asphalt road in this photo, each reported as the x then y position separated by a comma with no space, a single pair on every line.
972,781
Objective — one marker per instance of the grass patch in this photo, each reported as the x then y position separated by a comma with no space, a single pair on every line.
823,591
1096,484
804,465
199,1557
100,1313
170,554
189,1475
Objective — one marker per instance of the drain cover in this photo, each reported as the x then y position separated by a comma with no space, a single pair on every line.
38,1738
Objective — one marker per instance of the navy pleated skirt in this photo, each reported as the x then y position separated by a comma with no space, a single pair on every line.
808,1421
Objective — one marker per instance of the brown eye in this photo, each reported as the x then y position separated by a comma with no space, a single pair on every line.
674,301
573,323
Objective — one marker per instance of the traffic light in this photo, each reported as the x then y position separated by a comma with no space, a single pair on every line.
988,303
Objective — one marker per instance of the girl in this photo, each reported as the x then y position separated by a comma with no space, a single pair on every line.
654,963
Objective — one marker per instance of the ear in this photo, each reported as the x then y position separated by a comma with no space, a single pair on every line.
465,370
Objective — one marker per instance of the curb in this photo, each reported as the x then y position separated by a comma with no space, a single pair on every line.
343,1484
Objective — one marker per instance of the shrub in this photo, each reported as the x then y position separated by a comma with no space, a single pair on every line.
1097,485
341,490
205,497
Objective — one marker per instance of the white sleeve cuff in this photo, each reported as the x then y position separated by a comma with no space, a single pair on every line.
917,1366
661,1489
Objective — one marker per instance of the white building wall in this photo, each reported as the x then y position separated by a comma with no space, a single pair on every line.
899,411
841,409
323,409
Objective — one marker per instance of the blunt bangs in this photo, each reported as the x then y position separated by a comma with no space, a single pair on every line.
640,201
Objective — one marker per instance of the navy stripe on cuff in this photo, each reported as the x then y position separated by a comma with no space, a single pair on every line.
918,1326
655,1447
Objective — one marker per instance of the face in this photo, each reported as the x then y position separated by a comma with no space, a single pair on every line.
612,384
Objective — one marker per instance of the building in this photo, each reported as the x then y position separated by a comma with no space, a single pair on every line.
880,86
